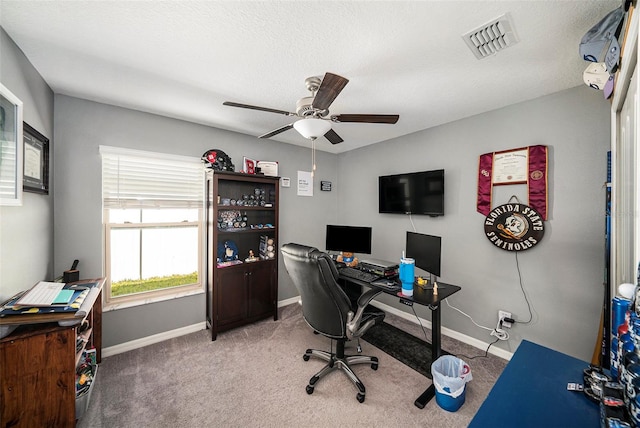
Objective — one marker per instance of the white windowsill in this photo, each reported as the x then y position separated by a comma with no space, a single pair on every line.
132,303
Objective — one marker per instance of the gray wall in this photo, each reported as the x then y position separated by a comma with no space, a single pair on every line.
562,276
26,232
82,126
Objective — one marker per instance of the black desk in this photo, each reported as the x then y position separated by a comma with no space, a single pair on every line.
425,297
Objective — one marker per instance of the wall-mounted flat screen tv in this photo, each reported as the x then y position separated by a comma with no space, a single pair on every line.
412,193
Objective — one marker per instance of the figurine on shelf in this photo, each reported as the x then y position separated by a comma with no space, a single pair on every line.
227,251
347,258
251,258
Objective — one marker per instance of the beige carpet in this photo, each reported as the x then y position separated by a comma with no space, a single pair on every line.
255,377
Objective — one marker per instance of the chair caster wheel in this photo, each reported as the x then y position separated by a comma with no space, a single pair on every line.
310,391
374,366
360,397
305,357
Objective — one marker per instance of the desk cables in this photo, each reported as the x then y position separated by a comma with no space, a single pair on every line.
498,332
523,293
466,315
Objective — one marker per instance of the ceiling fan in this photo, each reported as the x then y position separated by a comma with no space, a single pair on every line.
313,111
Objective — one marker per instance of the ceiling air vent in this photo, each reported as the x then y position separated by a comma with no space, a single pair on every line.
494,36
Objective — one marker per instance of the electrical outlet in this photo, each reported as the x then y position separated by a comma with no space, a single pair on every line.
501,316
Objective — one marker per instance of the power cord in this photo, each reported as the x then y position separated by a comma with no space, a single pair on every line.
486,353
524,294
412,224
420,322
497,332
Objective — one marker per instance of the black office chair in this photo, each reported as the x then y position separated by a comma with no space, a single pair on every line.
329,312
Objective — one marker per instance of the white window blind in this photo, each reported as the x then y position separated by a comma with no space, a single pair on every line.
140,179
8,173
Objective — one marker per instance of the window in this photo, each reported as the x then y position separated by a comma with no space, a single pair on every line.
11,148
153,224
625,210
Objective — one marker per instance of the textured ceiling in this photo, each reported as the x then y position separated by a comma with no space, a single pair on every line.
183,59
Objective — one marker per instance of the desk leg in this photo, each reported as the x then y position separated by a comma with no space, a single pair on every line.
436,350
436,347
425,397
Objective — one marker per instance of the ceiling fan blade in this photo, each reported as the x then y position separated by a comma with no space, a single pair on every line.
277,131
329,89
270,110
333,137
366,118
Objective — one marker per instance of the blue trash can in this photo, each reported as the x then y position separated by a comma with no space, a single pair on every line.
450,376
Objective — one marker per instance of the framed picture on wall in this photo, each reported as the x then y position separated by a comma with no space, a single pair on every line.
10,148
36,161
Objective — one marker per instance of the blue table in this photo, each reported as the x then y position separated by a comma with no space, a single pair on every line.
532,392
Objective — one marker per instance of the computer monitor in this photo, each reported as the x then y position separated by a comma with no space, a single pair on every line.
349,239
425,250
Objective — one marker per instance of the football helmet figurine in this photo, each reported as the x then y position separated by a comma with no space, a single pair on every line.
218,160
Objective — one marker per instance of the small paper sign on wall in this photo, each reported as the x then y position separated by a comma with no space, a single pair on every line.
325,186
305,183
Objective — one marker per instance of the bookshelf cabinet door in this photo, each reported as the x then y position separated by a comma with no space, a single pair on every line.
260,290
232,295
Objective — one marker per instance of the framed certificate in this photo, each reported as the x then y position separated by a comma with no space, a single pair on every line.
510,166
36,161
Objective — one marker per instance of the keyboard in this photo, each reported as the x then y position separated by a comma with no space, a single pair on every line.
41,294
358,274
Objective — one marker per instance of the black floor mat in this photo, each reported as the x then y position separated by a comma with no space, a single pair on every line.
404,347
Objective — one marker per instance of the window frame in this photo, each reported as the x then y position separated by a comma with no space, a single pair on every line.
624,258
134,174
153,295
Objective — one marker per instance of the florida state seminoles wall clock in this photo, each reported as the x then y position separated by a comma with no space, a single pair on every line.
514,227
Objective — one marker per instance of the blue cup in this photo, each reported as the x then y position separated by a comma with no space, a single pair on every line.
407,268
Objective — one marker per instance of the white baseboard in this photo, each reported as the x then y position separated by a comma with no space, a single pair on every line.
445,331
288,302
150,340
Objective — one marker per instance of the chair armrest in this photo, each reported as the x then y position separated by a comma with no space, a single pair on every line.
366,297
353,320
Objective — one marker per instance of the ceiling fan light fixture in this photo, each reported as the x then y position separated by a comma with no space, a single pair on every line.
312,128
